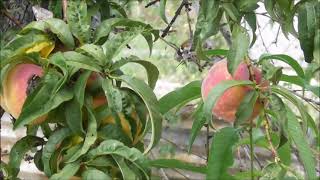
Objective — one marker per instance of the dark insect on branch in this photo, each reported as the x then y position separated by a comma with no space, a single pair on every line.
151,3
185,4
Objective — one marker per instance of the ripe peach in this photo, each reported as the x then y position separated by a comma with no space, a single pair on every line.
227,105
17,85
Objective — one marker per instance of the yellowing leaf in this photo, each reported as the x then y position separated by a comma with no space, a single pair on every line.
44,48
124,123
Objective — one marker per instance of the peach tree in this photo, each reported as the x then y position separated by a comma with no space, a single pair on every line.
62,77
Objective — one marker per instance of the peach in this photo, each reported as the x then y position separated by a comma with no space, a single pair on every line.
16,86
227,105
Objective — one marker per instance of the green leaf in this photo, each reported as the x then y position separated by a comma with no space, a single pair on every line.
305,153
118,8
73,113
307,25
221,153
271,72
56,8
93,173
198,123
61,29
38,161
91,136
216,52
180,96
57,59
238,49
81,61
113,46
284,58
245,109
52,144
67,172
112,131
251,19
101,161
177,164
149,98
247,5
232,11
94,51
316,50
34,25
113,95
77,20
297,80
307,119
42,102
207,22
19,149
285,154
152,70
217,91
114,147
269,5
108,25
163,10
127,173
105,28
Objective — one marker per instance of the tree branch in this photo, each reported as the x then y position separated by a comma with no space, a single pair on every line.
15,21
177,13
64,9
151,3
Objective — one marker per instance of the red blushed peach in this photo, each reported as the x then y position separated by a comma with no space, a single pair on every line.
227,105
16,86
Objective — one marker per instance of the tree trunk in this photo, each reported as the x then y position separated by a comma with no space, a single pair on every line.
13,13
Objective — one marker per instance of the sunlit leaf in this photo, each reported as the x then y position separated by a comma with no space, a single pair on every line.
221,153
173,163
305,153
91,136
53,142
113,95
93,173
67,172
245,110
152,70
238,49
182,95
307,24
77,20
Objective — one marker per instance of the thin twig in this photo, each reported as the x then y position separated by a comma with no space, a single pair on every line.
189,25
266,15
64,9
305,98
263,43
181,148
251,149
11,18
254,155
151,3
175,47
267,129
208,142
177,13
162,172
180,173
276,39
